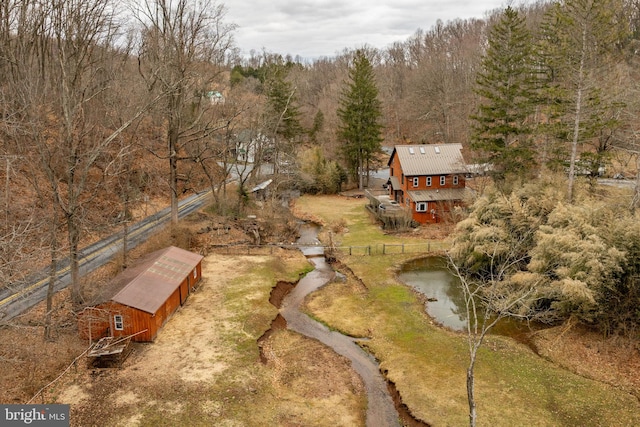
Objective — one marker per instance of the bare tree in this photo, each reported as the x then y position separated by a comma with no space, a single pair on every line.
183,44
490,256
487,301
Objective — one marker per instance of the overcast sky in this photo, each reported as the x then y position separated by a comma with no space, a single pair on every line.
316,28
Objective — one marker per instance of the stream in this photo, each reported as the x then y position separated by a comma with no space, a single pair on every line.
381,411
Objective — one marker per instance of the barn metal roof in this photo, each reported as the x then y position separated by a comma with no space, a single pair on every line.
439,195
157,278
429,159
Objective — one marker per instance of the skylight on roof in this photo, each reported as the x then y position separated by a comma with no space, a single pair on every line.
437,150
422,151
411,150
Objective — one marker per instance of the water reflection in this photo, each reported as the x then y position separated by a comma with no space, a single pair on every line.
431,277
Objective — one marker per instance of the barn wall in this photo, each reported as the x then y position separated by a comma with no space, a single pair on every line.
93,323
102,324
184,291
194,280
99,321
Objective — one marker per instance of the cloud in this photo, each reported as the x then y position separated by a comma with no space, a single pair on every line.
325,27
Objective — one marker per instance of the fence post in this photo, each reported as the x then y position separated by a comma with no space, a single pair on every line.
403,248
369,247
384,251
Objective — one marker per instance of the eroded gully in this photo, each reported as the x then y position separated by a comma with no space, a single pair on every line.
381,411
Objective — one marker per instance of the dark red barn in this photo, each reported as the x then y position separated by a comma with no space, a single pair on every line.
141,299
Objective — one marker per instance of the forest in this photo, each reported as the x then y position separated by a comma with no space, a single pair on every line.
104,108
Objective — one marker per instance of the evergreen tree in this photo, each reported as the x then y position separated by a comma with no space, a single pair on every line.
360,112
506,83
579,43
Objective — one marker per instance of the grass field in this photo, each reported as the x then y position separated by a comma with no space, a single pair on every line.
514,386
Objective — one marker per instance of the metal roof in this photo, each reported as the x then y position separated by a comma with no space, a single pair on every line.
262,185
395,183
429,159
161,275
439,195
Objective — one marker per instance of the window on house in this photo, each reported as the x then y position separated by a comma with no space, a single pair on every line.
428,181
416,181
455,180
443,180
118,322
402,179
195,273
421,207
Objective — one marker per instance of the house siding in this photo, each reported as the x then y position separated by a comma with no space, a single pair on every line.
436,210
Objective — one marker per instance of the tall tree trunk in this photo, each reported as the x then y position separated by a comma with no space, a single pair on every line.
360,169
576,127
636,188
53,275
173,171
73,232
471,395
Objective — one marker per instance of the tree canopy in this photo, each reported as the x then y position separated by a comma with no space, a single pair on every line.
506,84
360,117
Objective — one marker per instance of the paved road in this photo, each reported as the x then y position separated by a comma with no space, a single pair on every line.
15,301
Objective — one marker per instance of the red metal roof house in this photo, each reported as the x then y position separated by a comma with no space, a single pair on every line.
427,179
141,299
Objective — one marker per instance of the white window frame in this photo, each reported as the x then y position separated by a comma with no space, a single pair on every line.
455,180
118,322
443,179
428,181
421,206
416,181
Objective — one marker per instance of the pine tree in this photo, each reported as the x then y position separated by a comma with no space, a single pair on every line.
580,39
506,83
360,112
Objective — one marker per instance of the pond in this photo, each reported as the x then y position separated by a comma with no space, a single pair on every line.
445,300
431,277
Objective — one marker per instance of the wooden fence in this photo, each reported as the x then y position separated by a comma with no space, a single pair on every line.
365,250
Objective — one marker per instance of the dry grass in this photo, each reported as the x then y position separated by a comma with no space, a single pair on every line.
204,368
514,386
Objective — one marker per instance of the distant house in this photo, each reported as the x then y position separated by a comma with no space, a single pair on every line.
252,146
141,299
215,97
429,180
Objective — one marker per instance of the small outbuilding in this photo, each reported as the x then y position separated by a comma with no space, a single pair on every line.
140,300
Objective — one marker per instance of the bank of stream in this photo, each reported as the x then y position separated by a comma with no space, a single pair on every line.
431,277
384,406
